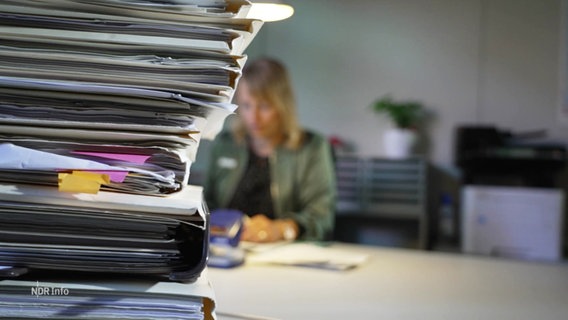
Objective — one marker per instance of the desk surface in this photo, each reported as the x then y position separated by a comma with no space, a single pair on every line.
397,284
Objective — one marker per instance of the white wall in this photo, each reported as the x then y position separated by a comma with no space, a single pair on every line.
469,61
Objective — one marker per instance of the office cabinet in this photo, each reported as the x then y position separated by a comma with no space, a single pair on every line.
375,189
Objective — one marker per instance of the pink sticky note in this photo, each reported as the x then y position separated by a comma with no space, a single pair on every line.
115,176
133,158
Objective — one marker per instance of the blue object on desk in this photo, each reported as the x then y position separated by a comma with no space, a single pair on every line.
226,226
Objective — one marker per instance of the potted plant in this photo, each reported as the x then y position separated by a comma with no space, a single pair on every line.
399,141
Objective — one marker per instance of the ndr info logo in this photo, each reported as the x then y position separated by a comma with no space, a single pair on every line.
48,291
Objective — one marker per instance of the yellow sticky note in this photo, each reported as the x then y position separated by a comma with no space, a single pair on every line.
82,182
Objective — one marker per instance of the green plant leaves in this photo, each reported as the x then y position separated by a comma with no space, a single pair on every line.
403,114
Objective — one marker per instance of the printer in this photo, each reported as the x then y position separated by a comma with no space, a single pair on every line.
488,155
511,202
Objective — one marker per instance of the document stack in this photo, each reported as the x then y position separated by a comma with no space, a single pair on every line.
103,104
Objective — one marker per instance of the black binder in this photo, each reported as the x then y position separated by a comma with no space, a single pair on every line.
54,234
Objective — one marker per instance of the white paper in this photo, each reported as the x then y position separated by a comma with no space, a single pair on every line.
188,201
309,255
19,158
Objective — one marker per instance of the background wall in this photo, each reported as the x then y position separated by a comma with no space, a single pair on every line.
492,62
468,61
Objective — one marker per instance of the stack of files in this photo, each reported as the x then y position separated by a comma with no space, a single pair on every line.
103,104
96,79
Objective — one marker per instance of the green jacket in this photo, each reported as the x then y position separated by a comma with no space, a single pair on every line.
303,182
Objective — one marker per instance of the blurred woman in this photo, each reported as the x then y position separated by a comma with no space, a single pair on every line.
268,167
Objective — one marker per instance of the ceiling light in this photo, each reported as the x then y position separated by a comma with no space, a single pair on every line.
267,12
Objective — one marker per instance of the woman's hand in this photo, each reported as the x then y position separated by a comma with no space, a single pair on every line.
259,228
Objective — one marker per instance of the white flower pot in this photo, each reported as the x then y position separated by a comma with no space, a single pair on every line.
399,143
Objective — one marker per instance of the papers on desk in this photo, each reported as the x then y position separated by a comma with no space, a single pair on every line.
308,255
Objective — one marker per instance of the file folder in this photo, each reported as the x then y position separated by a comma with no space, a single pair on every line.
67,297
42,229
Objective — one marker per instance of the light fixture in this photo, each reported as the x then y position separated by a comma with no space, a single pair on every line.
273,11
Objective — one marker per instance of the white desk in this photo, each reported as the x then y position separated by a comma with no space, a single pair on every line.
397,284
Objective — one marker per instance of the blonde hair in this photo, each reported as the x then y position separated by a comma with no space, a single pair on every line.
268,80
